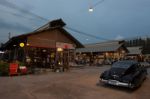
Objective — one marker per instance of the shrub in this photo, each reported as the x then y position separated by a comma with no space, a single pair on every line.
4,68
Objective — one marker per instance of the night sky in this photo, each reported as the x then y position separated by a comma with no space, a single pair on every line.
111,19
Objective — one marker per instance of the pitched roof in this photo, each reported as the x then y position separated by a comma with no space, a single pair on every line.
101,47
135,50
55,24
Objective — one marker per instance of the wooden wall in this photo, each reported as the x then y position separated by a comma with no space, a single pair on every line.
48,39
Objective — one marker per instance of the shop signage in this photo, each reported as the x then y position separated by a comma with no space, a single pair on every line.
21,44
64,45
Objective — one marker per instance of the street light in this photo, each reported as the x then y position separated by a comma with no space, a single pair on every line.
94,5
90,9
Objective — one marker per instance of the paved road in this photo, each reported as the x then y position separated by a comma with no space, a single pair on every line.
75,84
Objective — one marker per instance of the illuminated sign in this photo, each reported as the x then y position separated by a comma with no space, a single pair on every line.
64,45
21,44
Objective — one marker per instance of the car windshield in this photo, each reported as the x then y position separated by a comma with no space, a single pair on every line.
122,64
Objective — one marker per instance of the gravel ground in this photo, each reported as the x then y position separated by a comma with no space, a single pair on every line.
78,83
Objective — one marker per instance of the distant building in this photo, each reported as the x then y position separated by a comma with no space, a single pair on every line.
109,50
49,45
135,53
144,42
143,51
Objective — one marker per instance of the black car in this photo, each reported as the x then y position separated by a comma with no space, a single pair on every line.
127,73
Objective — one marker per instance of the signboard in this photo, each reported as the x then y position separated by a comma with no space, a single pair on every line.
41,42
64,45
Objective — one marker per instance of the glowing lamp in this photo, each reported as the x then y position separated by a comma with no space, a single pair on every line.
28,44
21,44
90,9
59,49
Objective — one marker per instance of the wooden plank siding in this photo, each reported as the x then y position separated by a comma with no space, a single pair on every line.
48,39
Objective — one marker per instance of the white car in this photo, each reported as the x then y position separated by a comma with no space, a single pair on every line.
145,64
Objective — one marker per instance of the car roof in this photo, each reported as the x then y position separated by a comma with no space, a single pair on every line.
124,63
128,61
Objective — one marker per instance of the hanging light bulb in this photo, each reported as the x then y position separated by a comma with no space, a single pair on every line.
90,9
94,5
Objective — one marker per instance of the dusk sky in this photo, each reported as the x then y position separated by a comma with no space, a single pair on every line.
111,19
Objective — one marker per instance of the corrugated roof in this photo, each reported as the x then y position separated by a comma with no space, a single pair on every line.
101,47
134,50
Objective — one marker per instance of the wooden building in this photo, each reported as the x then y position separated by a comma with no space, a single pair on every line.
135,53
99,53
48,46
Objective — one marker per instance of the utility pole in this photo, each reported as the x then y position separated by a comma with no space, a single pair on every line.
9,35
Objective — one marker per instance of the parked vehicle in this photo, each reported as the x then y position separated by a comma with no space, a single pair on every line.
127,73
145,64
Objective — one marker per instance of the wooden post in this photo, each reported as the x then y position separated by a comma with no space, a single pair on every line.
68,59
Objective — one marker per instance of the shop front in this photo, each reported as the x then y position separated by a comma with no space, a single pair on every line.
47,47
102,53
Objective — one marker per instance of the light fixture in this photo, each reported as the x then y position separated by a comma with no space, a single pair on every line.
27,44
59,49
90,9
44,50
21,44
1,52
96,4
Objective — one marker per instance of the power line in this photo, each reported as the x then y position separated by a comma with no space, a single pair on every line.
83,33
99,2
9,35
15,7
15,14
12,5
45,19
94,5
